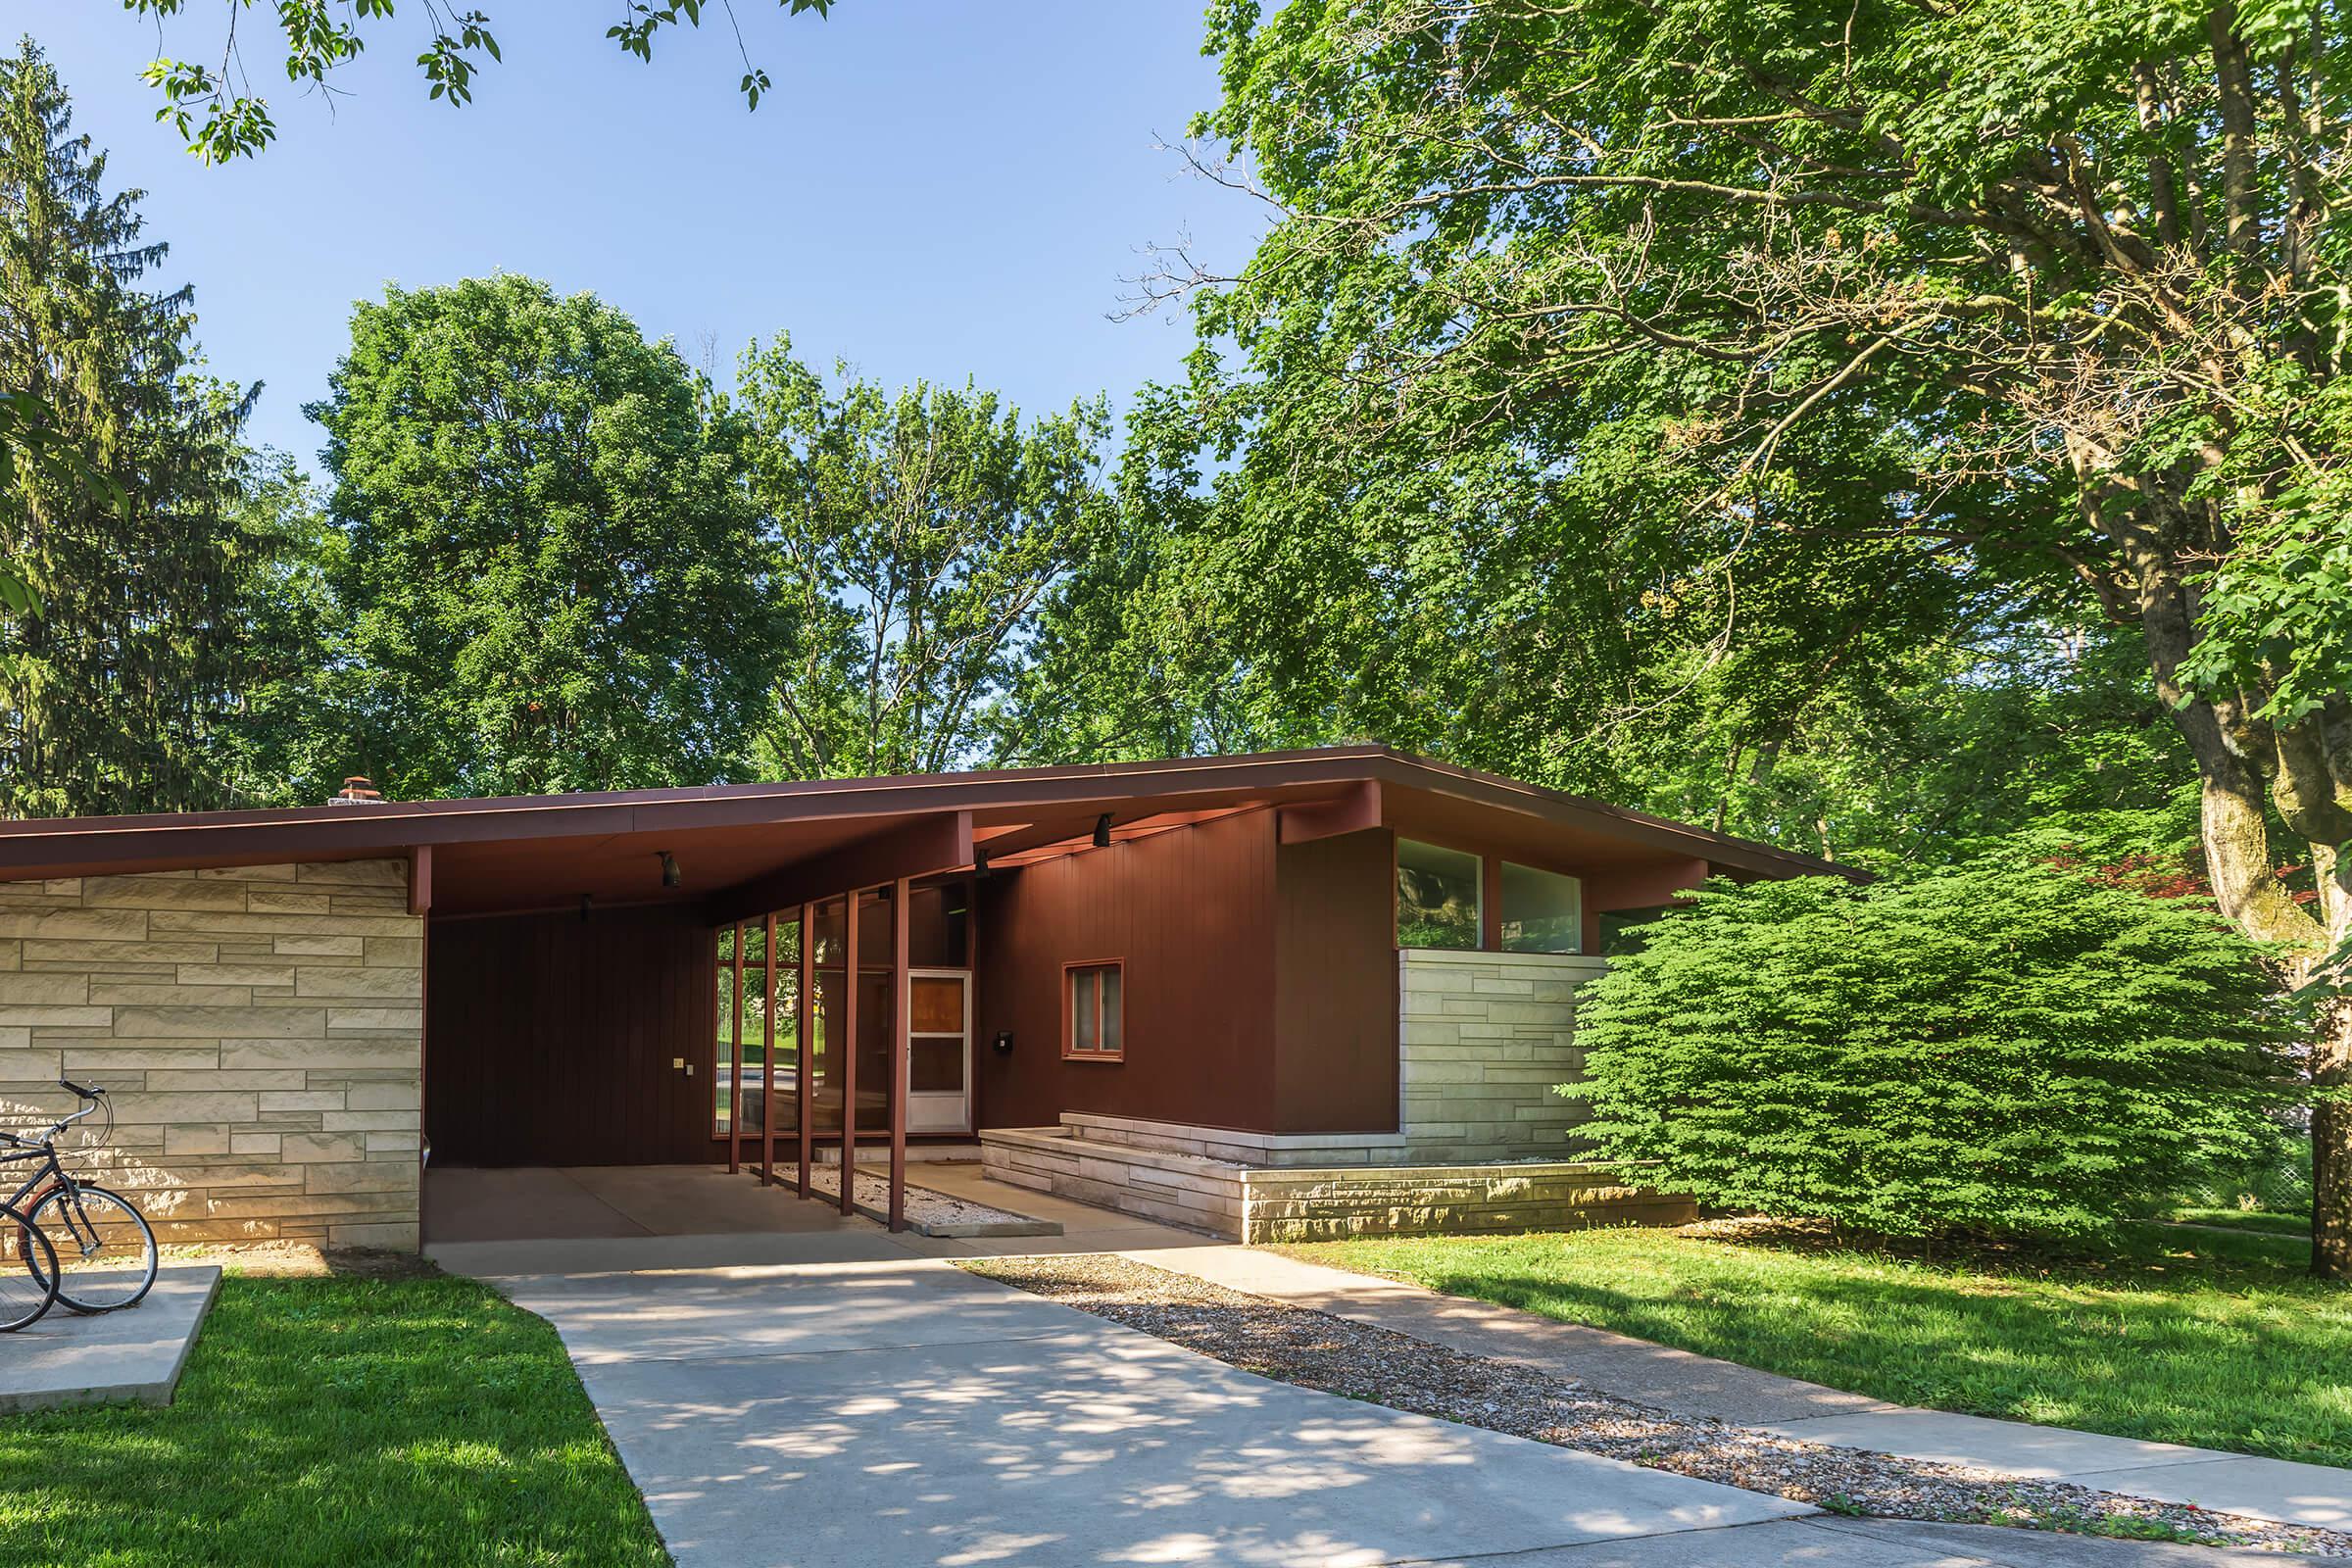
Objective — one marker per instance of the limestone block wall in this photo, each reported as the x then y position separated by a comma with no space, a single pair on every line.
1481,1039
260,1031
1329,1205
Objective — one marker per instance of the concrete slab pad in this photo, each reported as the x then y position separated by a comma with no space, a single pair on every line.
1094,1446
2016,1448
749,1312
2041,1548
849,1241
134,1356
478,1205
2268,1489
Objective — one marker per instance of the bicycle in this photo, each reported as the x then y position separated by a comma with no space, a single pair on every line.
26,1294
100,1250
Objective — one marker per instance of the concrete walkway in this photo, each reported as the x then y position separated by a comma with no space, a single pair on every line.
630,1228
903,1411
1698,1385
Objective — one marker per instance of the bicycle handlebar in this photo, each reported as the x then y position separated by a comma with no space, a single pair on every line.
87,1094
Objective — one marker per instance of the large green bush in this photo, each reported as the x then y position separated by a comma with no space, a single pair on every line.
2003,1047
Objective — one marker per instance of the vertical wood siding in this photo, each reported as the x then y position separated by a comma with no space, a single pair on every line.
1335,996
549,1039
1190,915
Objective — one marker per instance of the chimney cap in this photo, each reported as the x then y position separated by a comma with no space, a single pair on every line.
357,789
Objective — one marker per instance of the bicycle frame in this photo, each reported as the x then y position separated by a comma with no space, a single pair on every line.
52,1173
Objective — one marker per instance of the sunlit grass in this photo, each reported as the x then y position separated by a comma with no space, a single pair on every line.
335,1421
2181,1336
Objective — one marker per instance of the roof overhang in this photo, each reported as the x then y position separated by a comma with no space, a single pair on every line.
749,841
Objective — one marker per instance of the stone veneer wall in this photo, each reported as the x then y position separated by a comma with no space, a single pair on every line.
260,1031
1483,1037
1138,1168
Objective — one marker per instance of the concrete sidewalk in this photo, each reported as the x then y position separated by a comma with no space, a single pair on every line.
907,1412
1695,1385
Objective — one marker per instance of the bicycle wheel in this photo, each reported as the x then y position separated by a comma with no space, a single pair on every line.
27,1271
105,1251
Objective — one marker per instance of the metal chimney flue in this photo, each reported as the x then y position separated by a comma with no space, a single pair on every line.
357,789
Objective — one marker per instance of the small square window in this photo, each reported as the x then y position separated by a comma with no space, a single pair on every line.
1093,1022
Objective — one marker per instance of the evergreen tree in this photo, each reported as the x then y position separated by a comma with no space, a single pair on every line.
110,695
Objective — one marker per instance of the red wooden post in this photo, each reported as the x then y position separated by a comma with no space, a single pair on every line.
804,1056
849,1055
902,999
767,1062
735,1037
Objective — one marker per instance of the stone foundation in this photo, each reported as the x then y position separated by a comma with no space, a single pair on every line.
1171,1173
260,1033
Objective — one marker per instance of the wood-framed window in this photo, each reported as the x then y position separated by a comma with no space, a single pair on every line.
1094,1024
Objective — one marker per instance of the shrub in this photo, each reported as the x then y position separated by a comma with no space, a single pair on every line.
2002,1047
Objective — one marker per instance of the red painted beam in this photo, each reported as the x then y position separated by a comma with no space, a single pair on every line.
928,844
1358,809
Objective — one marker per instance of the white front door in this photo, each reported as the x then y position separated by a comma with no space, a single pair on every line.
939,1051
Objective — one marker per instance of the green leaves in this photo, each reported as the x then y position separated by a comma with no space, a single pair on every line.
219,123
553,580
2003,1047
925,537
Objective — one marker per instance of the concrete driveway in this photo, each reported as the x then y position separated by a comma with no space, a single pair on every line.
895,1410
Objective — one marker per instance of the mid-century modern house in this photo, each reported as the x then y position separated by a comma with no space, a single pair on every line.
1289,994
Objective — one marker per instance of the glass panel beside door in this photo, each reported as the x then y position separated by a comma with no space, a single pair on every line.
939,1051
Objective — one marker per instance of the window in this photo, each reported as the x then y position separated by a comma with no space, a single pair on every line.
1437,897
1092,1026
1543,912
1628,930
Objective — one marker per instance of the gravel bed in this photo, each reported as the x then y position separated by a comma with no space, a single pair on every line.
1380,1366
923,1205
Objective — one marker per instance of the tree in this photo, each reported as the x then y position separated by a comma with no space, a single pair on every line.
2000,1046
920,533
2036,296
215,108
552,581
112,693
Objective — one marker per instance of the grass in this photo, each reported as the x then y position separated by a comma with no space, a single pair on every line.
2183,1336
335,1421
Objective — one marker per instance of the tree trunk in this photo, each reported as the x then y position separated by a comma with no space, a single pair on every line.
2244,872
2331,1146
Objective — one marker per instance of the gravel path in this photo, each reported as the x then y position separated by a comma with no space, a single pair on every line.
1380,1366
923,1205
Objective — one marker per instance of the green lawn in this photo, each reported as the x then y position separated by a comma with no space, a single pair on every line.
335,1421
2183,1336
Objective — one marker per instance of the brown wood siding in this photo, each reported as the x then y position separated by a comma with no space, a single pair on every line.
1335,992
549,1039
1191,914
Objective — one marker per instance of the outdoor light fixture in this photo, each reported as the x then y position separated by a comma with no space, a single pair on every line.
670,870
584,903
1103,831
979,862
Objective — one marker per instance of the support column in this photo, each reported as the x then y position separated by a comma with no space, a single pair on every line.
805,1066
767,1060
902,997
735,1066
849,1055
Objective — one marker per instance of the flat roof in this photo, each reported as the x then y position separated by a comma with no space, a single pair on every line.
508,852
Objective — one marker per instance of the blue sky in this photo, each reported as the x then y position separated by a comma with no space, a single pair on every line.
937,188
